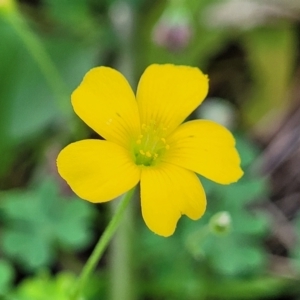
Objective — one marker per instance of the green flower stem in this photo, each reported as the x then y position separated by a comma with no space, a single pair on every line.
43,60
121,258
98,251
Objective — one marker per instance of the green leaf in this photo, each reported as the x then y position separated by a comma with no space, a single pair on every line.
44,287
244,191
260,287
247,150
234,256
295,251
7,275
29,97
226,255
39,221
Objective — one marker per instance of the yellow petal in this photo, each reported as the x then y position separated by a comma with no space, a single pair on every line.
206,148
97,171
105,102
167,192
167,94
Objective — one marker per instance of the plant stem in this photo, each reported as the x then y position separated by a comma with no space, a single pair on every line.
121,258
98,251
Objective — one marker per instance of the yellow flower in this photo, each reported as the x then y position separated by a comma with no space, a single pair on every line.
145,142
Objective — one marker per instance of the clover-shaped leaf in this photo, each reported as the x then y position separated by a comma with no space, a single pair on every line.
39,221
233,254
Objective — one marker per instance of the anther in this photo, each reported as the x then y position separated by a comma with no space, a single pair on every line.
148,154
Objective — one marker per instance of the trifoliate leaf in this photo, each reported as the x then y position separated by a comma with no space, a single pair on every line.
39,221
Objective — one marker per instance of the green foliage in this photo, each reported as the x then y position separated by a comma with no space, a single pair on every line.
23,80
45,51
227,253
61,12
295,251
7,275
206,42
189,264
40,222
37,75
272,54
43,287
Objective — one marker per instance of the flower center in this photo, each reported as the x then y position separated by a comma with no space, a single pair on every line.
151,144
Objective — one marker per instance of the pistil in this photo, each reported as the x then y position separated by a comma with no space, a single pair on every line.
151,145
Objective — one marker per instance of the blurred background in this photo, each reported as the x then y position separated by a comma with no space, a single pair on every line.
247,246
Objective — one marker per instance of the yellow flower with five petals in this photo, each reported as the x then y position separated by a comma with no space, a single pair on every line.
146,142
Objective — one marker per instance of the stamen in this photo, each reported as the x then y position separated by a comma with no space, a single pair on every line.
151,144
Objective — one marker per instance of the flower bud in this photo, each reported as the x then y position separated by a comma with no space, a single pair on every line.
121,15
220,111
173,30
220,223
